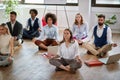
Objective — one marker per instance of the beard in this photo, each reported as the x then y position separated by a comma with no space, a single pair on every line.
100,24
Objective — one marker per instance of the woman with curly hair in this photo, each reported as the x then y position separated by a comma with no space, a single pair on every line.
49,34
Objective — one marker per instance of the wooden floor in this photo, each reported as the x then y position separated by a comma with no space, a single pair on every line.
29,64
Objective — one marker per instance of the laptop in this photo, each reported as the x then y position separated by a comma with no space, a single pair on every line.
53,50
111,59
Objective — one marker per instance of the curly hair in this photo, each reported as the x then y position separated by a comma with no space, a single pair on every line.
76,22
52,16
33,10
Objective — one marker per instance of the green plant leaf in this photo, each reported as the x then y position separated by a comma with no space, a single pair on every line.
114,17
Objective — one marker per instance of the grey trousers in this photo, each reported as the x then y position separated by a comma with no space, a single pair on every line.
72,62
4,61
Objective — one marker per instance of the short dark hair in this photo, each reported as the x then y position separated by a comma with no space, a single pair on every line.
13,12
101,16
33,10
52,16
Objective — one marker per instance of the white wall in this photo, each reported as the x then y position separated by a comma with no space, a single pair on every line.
23,15
88,13
108,12
85,9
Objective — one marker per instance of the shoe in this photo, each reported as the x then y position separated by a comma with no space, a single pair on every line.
58,69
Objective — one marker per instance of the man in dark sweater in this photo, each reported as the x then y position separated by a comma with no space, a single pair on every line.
33,27
15,29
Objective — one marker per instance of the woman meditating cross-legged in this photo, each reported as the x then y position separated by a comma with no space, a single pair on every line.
69,58
6,46
80,29
49,34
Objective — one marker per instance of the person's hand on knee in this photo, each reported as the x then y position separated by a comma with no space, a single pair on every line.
33,40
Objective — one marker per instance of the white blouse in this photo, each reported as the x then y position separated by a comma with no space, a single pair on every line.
4,43
69,52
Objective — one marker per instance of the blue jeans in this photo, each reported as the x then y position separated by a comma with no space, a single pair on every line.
30,34
4,61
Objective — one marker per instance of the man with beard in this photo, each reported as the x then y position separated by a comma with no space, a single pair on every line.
102,37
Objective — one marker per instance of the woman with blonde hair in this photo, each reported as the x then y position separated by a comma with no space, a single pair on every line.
79,29
6,46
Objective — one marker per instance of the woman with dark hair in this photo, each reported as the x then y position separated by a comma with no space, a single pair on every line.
49,34
6,46
79,29
69,58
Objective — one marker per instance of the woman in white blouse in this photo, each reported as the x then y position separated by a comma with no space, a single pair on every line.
6,46
69,59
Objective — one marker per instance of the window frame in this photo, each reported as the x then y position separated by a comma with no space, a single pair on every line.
67,4
94,4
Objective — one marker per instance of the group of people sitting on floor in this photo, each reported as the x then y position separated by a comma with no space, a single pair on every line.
12,34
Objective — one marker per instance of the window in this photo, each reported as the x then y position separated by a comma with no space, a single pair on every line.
53,2
72,1
106,3
20,1
34,1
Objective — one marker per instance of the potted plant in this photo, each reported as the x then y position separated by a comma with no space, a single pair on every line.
10,5
111,20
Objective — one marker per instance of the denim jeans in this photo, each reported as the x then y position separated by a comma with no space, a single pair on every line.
30,34
4,60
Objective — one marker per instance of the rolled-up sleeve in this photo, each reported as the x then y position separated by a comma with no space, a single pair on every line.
109,36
